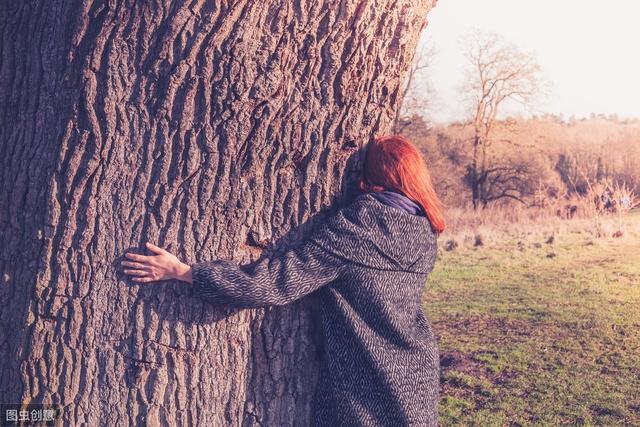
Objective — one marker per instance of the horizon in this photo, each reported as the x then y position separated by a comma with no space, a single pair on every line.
560,118
587,75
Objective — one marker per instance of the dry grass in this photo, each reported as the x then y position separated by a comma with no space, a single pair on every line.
601,211
491,226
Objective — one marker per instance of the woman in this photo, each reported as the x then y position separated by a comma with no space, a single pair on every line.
369,262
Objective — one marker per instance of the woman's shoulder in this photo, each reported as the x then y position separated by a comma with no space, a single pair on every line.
377,235
365,215
373,211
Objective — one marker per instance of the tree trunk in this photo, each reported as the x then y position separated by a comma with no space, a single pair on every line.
208,128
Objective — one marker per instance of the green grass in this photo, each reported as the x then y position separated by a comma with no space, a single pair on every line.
539,334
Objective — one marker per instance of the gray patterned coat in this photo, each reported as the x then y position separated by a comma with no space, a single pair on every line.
369,262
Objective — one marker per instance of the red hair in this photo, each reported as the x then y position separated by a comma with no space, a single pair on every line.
394,163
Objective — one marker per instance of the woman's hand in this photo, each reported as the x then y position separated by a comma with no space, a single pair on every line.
163,266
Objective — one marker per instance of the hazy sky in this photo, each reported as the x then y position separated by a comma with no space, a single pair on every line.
589,50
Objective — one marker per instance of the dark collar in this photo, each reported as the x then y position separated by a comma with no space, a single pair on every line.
400,201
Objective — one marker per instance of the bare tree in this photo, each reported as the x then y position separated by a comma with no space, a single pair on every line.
213,129
416,95
499,74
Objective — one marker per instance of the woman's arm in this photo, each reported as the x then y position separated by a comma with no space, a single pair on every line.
277,280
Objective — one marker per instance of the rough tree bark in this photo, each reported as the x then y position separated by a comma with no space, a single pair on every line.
208,128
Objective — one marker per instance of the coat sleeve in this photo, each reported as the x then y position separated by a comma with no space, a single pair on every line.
275,280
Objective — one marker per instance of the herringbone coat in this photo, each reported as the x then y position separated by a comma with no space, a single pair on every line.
369,263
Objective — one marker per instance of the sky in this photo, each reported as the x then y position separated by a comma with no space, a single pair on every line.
589,51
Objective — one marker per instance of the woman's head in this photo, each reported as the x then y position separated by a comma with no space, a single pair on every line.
394,163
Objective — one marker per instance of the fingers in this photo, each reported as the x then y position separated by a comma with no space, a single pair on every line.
137,257
137,265
137,272
143,279
143,266
143,275
155,248
139,269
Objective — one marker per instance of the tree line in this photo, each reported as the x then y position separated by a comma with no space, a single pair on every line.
492,157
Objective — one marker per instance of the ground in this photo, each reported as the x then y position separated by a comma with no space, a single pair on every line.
539,331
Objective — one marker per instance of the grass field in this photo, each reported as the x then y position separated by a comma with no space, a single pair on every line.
540,332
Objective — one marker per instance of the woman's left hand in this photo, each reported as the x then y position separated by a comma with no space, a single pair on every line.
162,266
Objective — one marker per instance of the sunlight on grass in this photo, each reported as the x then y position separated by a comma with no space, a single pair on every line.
539,333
